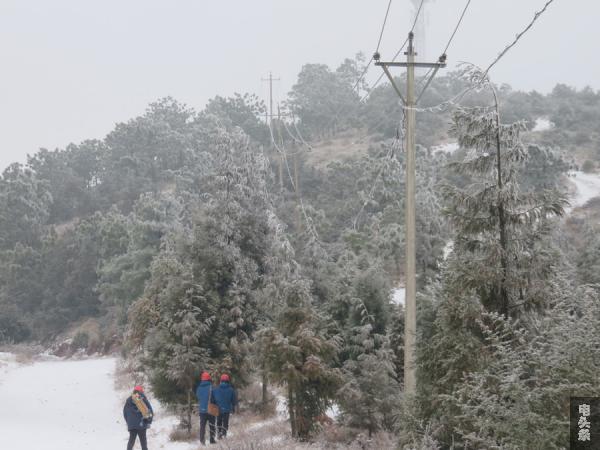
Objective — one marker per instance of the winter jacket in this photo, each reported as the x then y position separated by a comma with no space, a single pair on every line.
133,416
202,395
225,397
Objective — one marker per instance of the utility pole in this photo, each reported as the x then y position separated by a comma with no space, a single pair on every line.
270,80
410,103
270,122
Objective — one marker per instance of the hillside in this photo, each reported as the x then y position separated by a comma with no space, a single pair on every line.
272,252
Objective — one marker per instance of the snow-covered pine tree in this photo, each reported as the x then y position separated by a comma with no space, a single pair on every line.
301,356
499,228
588,260
369,395
170,327
521,398
503,260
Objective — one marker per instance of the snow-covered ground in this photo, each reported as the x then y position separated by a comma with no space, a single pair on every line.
542,124
587,187
398,295
68,405
7,363
449,147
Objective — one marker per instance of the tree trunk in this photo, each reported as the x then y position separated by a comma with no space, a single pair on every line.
265,392
501,218
189,412
292,412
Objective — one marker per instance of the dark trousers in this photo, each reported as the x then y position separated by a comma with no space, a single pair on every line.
135,433
223,424
205,417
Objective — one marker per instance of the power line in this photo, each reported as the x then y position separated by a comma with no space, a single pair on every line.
383,26
307,219
416,18
511,45
449,41
366,69
423,80
397,53
398,140
482,78
457,27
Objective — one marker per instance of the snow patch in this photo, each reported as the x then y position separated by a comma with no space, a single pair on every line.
449,148
281,408
542,124
398,295
333,411
588,187
448,248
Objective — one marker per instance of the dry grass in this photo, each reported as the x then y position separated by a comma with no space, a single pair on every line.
250,432
24,353
251,401
343,146
182,435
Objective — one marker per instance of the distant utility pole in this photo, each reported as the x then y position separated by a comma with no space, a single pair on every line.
270,80
409,104
269,121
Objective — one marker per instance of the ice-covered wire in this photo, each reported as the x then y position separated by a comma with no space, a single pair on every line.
457,26
398,140
307,219
396,54
308,146
383,26
514,42
462,16
366,69
484,75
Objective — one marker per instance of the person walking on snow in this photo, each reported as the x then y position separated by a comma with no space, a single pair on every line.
205,395
226,400
138,414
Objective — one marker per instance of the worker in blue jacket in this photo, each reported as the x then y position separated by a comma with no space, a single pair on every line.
205,395
226,400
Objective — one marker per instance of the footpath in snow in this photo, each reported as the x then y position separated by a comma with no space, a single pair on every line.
69,405
58,405
73,405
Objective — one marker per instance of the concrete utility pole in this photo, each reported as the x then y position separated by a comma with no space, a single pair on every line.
270,80
269,118
409,104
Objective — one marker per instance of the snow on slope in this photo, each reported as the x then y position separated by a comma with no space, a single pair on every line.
450,147
8,362
588,187
69,405
542,124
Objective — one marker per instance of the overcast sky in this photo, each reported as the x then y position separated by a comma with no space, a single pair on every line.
71,69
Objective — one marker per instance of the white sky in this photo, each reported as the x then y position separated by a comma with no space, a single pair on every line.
71,69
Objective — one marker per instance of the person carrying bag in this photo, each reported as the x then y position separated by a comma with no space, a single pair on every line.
205,396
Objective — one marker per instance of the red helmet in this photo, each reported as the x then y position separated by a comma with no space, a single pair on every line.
139,389
205,376
224,377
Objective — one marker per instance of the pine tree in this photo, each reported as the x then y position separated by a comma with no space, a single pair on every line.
530,375
498,228
588,260
300,356
503,262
